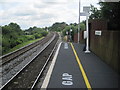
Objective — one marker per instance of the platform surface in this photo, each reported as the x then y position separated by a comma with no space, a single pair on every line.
66,72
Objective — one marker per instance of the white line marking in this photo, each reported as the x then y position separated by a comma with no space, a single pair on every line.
47,78
67,79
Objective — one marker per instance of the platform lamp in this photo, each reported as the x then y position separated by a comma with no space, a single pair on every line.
86,10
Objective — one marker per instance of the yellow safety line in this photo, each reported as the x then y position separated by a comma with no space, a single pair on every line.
81,68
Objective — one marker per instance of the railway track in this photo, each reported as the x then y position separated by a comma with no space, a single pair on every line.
10,56
11,66
28,76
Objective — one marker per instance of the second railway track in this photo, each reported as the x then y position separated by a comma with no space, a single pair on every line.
27,76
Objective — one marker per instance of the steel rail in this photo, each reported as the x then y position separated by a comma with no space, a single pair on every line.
20,51
43,68
48,43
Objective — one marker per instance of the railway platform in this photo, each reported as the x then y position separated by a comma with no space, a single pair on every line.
73,68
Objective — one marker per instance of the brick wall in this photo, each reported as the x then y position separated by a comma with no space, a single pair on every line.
76,37
81,37
98,24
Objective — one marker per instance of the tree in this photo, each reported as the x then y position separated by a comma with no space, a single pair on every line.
58,26
95,13
10,35
110,11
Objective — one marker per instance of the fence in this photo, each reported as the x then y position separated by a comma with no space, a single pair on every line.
106,46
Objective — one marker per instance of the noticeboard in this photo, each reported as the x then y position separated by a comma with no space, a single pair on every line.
85,34
99,33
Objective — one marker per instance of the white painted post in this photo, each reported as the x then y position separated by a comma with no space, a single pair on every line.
86,10
79,24
87,41
71,35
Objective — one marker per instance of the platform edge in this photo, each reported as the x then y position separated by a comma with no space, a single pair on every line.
48,75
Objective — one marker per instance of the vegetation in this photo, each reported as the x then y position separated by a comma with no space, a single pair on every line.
95,13
22,44
12,36
58,26
63,28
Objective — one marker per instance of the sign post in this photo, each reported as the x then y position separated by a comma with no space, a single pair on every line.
87,41
86,13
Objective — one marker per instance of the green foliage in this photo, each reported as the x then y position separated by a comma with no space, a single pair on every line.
65,30
44,33
37,35
22,44
74,28
12,35
108,11
30,37
95,13
58,26
34,31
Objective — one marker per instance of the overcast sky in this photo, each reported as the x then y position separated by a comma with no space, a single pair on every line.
41,13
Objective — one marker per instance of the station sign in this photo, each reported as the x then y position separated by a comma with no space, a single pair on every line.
85,34
84,14
99,33
86,9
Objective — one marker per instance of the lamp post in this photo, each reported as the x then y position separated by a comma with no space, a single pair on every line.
71,34
79,24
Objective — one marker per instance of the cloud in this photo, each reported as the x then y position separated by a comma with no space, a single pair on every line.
109,0
25,12
41,13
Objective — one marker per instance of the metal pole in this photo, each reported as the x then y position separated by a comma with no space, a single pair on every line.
79,24
87,41
71,35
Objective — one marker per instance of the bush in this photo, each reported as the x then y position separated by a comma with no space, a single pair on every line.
37,36
19,41
13,43
30,37
5,42
12,35
44,33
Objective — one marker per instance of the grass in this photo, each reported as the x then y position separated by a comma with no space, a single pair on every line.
23,44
